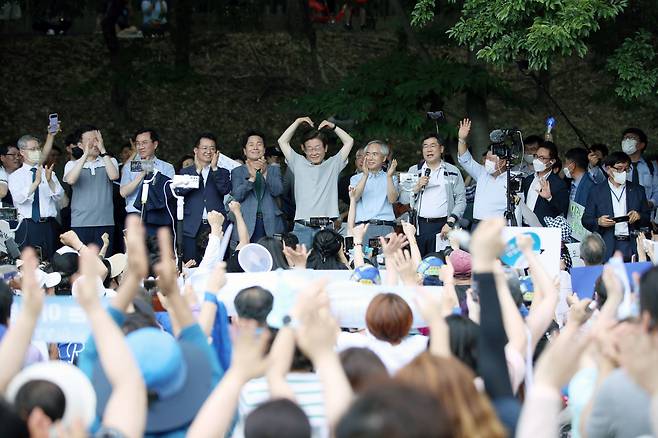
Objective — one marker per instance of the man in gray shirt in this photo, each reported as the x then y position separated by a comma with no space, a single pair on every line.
90,177
316,179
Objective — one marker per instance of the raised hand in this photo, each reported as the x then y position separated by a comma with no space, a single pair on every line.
326,124
489,243
408,228
217,279
464,129
234,206
296,257
215,219
405,267
248,357
71,239
395,243
136,248
166,269
358,232
33,294
525,243
87,293
392,168
544,188
213,162
99,142
49,172
306,120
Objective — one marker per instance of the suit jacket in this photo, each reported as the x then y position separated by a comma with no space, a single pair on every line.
599,204
160,204
584,189
209,196
243,192
559,203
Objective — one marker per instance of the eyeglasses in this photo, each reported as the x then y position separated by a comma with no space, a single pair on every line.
11,155
373,154
314,148
206,149
544,159
431,145
618,170
143,143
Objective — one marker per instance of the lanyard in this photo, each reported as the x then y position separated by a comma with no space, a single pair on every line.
618,198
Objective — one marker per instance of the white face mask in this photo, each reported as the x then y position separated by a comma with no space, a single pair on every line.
538,165
567,173
629,146
490,167
34,155
528,158
619,177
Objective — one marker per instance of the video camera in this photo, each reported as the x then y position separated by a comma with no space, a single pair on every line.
506,144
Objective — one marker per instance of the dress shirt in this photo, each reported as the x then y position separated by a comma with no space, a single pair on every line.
574,187
127,176
204,174
619,208
19,185
373,203
435,197
490,191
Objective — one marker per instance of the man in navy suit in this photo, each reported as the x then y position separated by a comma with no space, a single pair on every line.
256,186
214,183
617,198
545,192
579,179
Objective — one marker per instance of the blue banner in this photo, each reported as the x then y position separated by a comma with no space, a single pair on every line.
584,278
62,320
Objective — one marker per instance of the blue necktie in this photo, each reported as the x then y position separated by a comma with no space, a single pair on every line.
36,214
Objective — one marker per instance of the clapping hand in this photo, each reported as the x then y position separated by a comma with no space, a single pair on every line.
392,168
544,189
296,257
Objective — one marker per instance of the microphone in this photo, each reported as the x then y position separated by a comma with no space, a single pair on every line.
427,173
498,135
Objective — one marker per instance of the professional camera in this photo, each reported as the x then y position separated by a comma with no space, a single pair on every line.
507,144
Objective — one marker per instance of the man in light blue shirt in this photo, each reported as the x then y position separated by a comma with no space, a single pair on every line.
375,191
146,141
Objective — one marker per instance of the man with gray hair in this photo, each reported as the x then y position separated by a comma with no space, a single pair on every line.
375,191
35,191
592,250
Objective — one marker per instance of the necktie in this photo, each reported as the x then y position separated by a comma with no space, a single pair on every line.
572,195
636,174
36,214
259,190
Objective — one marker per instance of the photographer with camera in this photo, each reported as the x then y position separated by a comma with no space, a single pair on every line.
90,177
439,196
316,179
546,194
214,184
617,208
147,168
491,179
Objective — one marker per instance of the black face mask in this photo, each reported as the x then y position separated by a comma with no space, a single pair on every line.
76,152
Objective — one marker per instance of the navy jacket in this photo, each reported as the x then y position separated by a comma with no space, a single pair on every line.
583,190
209,196
599,204
243,192
559,203
160,204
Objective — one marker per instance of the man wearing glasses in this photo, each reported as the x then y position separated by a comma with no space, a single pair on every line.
214,183
545,193
316,179
147,168
375,191
10,158
617,207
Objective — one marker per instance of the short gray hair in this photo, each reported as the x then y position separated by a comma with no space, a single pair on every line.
592,250
383,146
22,142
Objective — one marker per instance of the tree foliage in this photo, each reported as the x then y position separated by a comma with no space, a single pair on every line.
390,95
634,65
503,31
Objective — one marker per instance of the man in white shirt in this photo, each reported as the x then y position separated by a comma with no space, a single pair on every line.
154,211
491,179
35,191
90,178
10,157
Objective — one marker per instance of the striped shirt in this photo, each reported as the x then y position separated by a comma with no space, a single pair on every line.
308,394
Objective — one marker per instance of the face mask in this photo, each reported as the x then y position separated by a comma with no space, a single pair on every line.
629,146
538,165
490,167
528,158
34,155
619,177
567,173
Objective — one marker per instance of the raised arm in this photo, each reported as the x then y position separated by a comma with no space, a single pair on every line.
284,140
137,266
345,138
16,341
248,361
128,187
48,144
243,231
359,232
464,130
126,408
360,186
281,355
110,167
392,193
71,177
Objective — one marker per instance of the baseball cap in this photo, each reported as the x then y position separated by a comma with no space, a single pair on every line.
366,274
430,266
78,392
118,263
461,263
177,374
48,280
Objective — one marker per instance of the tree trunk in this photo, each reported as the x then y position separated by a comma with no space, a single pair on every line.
411,35
181,33
120,65
476,108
